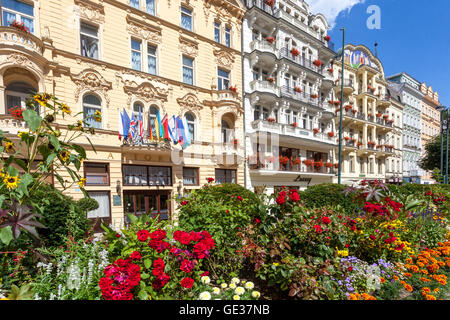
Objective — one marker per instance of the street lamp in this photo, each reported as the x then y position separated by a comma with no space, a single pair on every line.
444,127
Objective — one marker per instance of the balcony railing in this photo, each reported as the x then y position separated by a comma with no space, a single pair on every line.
12,36
264,46
295,168
307,63
263,86
289,92
347,83
261,5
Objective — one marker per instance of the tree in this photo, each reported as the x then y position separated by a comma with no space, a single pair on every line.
432,159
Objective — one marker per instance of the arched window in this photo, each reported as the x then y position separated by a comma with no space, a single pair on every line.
190,121
16,95
152,119
138,108
225,131
92,105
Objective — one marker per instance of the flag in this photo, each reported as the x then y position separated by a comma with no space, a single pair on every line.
173,130
188,136
120,125
165,125
156,124
160,129
181,133
141,125
150,133
126,123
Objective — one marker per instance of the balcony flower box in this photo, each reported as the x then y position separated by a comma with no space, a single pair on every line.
317,63
329,165
295,125
283,160
314,96
298,89
270,3
331,70
295,52
348,107
360,144
270,79
16,112
296,161
318,164
379,114
331,134
316,131
19,26
336,165
271,120
354,111
233,88
308,163
386,117
270,40
327,38
347,139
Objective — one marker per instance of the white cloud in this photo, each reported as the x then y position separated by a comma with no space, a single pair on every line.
332,8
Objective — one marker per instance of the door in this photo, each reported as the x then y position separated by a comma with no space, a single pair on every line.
154,202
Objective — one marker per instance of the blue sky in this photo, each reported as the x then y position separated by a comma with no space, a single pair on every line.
414,36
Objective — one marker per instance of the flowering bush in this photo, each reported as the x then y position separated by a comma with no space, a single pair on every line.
19,26
235,290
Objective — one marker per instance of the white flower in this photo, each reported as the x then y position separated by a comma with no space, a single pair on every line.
256,294
235,280
205,295
249,285
236,297
232,285
205,280
239,291
216,290
224,285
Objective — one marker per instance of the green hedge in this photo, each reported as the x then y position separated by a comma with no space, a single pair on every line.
328,194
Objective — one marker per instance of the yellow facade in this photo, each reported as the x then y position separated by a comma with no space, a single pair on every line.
372,120
431,122
58,59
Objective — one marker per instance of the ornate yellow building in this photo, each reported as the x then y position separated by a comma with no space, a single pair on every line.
177,57
431,122
372,119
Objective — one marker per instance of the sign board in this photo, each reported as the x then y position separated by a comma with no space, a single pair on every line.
117,200
300,179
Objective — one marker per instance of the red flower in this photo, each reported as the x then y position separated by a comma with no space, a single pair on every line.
294,196
183,203
135,255
117,235
239,198
158,264
182,237
158,235
159,245
143,235
326,220
187,266
210,180
318,229
187,283
204,274
257,221
350,269
347,245
281,198
372,237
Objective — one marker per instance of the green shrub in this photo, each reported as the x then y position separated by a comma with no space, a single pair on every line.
223,210
62,216
328,194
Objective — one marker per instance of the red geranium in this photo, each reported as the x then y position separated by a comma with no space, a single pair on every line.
281,198
187,266
257,221
187,283
121,277
135,255
318,229
294,196
183,203
326,220
210,180
239,198
158,235
143,235
159,245
182,237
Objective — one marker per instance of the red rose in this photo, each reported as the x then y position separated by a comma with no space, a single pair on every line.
187,266
117,235
239,198
347,245
183,203
326,220
294,196
143,235
318,229
257,221
204,274
158,263
350,269
187,283
158,235
135,255
372,237
210,180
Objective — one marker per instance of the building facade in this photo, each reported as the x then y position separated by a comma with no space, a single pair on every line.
412,125
431,123
147,57
371,119
290,132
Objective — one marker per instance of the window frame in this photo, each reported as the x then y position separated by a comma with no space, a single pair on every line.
135,50
221,80
225,171
217,31
197,175
170,184
90,36
153,56
19,14
188,67
189,14
227,34
108,172
83,105
193,123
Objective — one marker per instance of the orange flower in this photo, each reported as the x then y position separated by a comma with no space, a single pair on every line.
426,289
382,280
395,278
436,290
408,288
409,275
352,297
430,297
424,271
423,279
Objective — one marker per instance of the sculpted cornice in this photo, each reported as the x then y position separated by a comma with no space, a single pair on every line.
143,30
188,46
90,79
91,11
190,102
224,58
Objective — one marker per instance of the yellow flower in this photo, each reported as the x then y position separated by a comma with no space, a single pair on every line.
42,99
66,109
64,155
98,116
342,253
276,264
82,182
236,297
256,294
21,133
9,146
11,182
79,125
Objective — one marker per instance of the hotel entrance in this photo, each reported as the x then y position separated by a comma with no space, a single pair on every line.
145,201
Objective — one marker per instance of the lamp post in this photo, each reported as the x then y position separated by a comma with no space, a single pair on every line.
442,109
342,104
446,150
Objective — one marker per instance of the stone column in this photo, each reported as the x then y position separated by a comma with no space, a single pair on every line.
364,102
364,141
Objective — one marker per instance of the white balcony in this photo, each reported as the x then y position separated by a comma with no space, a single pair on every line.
10,125
264,86
289,133
11,37
263,46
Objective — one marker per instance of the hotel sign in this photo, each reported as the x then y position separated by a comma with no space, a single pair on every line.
358,58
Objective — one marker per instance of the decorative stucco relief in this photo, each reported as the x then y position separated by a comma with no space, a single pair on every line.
91,11
91,80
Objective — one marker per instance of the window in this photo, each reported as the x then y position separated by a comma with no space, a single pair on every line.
16,95
134,3
160,176
14,10
227,132
91,104
136,56
152,116
137,108
186,18
135,175
188,70
228,36
190,176
151,57
150,6
225,176
217,31
103,210
89,41
223,79
96,174
190,121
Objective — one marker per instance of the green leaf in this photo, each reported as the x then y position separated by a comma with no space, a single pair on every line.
50,158
6,235
25,181
12,171
132,217
32,119
145,276
148,263
80,150
143,294
21,163
54,141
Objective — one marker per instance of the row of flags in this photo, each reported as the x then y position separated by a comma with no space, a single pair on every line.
174,129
